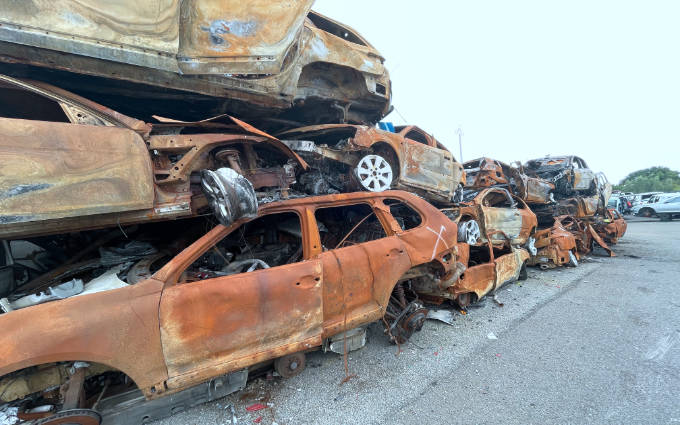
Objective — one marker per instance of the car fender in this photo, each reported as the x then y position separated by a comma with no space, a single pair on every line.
117,328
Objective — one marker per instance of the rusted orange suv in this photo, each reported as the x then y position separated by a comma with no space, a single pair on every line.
272,287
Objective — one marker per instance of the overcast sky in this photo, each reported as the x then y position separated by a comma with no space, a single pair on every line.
599,79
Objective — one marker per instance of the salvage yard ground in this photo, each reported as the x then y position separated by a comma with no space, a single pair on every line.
595,344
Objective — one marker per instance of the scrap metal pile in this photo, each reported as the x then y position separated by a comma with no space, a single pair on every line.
249,213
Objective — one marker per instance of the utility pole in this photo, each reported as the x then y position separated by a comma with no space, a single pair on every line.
460,133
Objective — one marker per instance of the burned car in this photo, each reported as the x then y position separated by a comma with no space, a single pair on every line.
584,233
70,164
555,247
493,215
487,172
259,60
479,271
345,157
611,227
263,289
570,175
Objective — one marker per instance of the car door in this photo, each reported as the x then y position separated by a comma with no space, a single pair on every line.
52,168
584,178
670,206
219,324
359,266
500,213
428,167
508,266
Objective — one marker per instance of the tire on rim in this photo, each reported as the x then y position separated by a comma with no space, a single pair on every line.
374,173
468,232
230,195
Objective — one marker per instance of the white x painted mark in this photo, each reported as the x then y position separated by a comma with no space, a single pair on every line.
439,238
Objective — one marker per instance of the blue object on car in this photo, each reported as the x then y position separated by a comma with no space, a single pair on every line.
386,126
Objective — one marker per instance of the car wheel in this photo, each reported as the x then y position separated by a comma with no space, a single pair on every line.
230,195
665,217
374,173
468,232
290,365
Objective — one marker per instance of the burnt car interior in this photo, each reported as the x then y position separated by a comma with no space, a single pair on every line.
348,225
38,265
268,241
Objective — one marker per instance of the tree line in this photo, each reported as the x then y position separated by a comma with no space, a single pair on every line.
654,179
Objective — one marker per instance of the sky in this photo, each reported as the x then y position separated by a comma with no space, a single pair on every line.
525,79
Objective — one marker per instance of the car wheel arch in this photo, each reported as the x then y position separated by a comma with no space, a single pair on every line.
41,364
388,151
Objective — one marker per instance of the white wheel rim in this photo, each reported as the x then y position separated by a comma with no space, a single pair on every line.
468,231
374,173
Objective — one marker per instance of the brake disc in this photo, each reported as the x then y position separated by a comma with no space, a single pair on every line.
72,416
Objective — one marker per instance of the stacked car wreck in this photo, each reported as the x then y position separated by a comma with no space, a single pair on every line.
191,197
569,200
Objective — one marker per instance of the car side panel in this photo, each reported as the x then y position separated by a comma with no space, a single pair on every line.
508,220
429,168
357,279
583,179
508,266
217,325
117,328
56,170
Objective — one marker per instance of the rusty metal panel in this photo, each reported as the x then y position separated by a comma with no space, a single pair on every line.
507,220
584,179
144,33
229,319
117,328
508,266
355,279
537,190
56,170
429,168
554,245
479,279
233,36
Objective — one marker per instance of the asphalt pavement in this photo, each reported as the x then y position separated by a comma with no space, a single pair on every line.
597,344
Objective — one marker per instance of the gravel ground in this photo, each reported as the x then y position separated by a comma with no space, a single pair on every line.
599,343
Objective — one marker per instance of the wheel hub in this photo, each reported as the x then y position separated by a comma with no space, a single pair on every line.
374,173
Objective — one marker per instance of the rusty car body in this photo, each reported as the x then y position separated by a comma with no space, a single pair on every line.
259,59
571,176
555,247
266,288
611,227
480,271
493,215
585,234
488,172
68,164
349,157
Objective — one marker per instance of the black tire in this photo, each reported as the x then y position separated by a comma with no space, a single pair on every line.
646,212
666,217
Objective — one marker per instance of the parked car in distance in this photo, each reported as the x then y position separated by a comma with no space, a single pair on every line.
70,164
666,208
347,157
266,288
